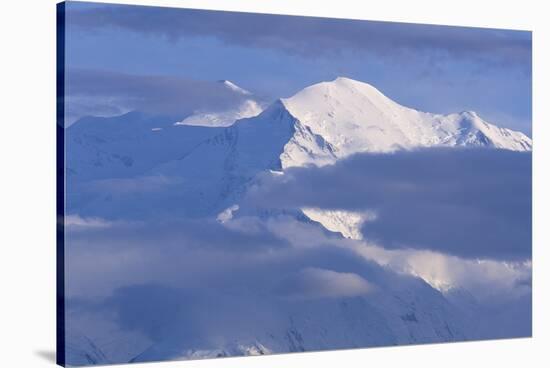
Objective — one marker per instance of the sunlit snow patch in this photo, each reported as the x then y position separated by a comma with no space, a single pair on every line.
247,109
347,223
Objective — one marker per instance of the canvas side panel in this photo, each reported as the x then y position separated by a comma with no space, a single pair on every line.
60,184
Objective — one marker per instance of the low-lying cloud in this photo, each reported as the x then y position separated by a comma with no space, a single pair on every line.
107,93
171,285
472,203
320,283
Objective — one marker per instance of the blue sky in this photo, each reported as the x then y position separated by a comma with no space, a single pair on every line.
431,68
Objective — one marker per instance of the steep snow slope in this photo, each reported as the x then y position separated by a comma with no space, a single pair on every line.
344,116
127,145
234,157
132,143
223,118
201,167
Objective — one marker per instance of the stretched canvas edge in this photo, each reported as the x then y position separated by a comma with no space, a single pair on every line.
60,183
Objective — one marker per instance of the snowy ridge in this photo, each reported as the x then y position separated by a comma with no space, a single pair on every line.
328,121
342,117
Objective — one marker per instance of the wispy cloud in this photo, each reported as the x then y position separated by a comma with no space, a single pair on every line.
77,222
313,283
106,93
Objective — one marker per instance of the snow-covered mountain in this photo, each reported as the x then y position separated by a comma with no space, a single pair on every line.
317,126
342,117
339,118
120,168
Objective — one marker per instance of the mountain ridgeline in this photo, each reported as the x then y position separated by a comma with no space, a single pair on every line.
317,126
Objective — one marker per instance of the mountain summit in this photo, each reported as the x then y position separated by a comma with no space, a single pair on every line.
338,118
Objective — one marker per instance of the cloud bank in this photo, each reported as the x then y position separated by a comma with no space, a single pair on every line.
472,203
107,93
311,36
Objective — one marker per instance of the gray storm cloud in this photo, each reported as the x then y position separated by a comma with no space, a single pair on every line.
312,36
472,203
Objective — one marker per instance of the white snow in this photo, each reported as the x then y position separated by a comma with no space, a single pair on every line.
342,117
247,109
347,223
